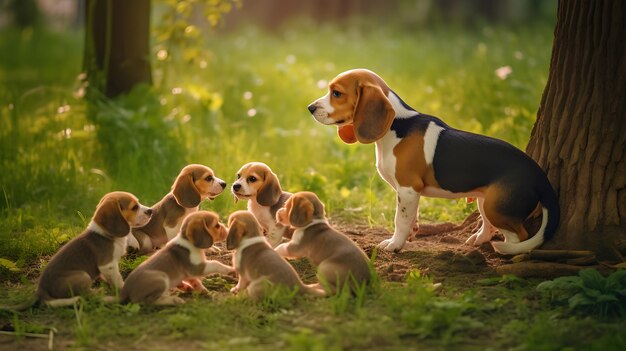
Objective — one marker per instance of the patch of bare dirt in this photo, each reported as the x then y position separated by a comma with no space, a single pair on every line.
437,249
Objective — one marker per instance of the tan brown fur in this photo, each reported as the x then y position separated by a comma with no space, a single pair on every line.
259,267
189,189
339,260
183,259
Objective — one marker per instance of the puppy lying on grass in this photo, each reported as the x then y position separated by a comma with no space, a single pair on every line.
182,259
339,260
259,267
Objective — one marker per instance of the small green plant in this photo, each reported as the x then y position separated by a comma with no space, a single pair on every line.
589,292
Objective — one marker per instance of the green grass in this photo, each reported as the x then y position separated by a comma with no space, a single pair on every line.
243,98
63,154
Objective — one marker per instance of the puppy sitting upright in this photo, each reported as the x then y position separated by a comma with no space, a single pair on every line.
193,184
182,259
338,258
95,252
259,267
257,183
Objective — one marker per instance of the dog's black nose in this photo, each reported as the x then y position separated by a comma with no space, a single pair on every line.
312,108
223,185
149,212
236,187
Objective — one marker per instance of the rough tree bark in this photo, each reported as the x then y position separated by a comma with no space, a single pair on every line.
579,137
117,45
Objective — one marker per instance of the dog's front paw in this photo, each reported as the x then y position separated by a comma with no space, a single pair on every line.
390,245
234,290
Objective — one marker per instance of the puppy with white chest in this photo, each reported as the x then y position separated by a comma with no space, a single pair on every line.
194,184
258,265
95,252
182,259
260,186
339,260
420,155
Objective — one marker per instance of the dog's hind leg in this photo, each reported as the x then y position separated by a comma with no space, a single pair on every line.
486,231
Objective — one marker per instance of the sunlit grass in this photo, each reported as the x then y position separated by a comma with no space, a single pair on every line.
243,98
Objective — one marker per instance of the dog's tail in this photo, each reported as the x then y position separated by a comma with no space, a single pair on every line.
549,223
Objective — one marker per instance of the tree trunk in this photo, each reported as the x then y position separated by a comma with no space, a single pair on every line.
579,138
117,45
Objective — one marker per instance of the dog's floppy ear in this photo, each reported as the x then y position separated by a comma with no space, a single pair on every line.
197,233
109,217
301,211
235,232
373,114
185,191
269,193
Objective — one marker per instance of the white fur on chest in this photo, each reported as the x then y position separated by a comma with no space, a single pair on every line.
196,255
385,159
171,232
262,214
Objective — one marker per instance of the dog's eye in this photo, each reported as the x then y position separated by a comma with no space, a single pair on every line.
251,179
209,178
135,208
336,93
217,225
238,176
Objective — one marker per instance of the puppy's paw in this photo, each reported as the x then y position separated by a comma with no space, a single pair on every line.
234,290
390,245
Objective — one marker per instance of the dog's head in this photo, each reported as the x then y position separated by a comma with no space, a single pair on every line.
300,210
118,211
357,104
194,184
256,181
203,228
241,224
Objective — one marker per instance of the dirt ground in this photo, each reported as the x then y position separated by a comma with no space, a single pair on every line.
437,250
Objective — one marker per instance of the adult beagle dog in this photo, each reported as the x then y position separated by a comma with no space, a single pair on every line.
420,155
259,267
182,259
338,259
194,184
95,252
260,186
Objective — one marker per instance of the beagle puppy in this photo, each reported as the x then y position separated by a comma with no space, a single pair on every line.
338,259
420,155
194,184
96,252
258,265
181,259
260,186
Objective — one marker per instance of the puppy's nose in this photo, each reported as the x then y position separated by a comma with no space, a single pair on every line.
236,187
149,212
223,185
312,108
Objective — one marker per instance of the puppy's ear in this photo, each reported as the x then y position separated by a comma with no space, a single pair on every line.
269,193
109,217
185,191
373,114
198,234
301,212
235,232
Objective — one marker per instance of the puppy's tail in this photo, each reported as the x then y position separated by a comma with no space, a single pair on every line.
549,223
33,301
